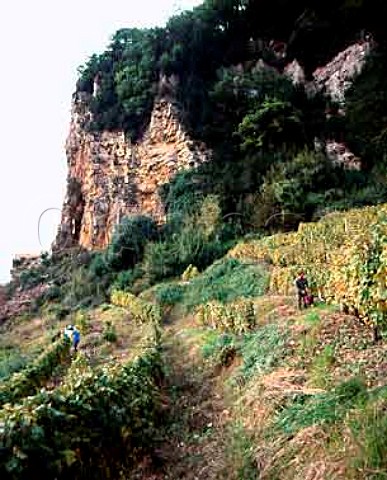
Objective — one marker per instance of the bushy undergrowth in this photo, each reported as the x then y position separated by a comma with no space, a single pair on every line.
11,361
169,293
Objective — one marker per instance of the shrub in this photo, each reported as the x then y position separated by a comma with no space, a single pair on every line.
126,279
11,361
128,242
31,278
189,273
109,332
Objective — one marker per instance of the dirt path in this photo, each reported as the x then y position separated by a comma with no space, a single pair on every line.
193,444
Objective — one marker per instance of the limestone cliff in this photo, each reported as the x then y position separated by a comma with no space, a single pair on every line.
108,177
335,78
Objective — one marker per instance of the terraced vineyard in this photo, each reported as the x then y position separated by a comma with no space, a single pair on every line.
344,255
96,420
219,376
35,376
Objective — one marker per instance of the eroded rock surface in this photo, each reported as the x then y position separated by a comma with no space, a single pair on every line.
110,178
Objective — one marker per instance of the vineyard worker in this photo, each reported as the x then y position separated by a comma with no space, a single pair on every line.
301,284
72,334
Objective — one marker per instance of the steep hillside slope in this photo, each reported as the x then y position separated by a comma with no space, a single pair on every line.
208,164
216,375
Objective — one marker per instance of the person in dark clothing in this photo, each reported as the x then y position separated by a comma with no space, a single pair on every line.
301,284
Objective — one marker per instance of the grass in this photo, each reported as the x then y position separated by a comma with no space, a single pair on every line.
225,281
319,371
321,409
368,428
308,342
260,350
312,318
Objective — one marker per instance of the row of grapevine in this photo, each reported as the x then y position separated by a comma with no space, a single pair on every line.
344,255
236,317
140,310
34,376
92,426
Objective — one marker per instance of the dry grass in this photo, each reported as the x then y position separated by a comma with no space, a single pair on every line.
131,337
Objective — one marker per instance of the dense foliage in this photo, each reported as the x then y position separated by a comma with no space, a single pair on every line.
344,254
222,62
94,424
34,376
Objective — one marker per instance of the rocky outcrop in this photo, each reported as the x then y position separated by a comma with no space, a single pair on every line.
337,76
22,262
339,154
20,303
110,178
334,79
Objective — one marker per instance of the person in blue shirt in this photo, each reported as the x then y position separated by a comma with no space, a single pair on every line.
76,339
73,334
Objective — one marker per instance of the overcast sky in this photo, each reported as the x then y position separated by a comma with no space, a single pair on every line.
41,45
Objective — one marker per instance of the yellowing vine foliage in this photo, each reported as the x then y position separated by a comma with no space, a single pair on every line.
237,317
140,310
344,256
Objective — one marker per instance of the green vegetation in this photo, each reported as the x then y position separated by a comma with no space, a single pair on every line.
368,426
110,332
322,409
243,385
260,127
11,361
225,281
88,411
34,376
260,351
319,372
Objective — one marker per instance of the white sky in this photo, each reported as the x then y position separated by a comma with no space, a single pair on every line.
42,42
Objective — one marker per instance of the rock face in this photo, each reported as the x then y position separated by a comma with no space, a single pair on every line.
334,79
337,76
110,178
